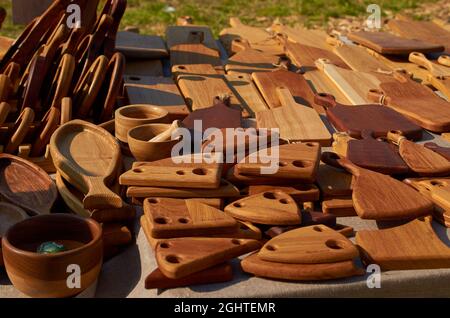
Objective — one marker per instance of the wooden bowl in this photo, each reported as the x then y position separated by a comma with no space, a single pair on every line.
132,116
9,215
142,149
45,275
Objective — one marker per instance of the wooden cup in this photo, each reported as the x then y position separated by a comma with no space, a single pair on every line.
132,116
47,275
144,150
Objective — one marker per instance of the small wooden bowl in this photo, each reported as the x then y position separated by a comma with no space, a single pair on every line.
45,275
9,215
142,149
131,116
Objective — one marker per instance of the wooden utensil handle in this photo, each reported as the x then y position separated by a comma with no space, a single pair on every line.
325,100
334,160
444,60
334,40
420,59
376,96
238,45
5,108
100,197
23,125
50,124
66,110
167,135
395,137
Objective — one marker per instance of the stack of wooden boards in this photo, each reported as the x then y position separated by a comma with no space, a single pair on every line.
290,79
53,73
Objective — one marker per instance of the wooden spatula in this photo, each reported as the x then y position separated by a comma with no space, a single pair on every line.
421,160
380,197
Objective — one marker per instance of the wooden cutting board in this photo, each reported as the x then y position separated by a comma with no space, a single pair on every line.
200,91
181,257
315,244
300,193
156,91
387,43
268,82
357,57
299,272
333,182
376,155
305,56
421,30
443,151
134,45
258,38
251,60
194,69
195,53
301,35
380,197
25,185
226,190
339,207
297,162
88,157
246,92
218,274
421,160
188,34
414,245
354,120
415,101
442,84
172,218
320,83
354,85
297,122
272,208
436,189
168,173
434,68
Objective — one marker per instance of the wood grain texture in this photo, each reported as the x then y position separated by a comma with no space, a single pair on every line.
320,83
88,157
387,43
414,245
299,272
301,35
339,207
258,38
186,54
421,160
272,208
305,56
443,151
296,122
134,45
156,91
218,274
436,189
225,190
435,69
300,193
246,92
188,34
333,182
442,84
172,218
26,185
171,173
379,197
372,117
416,102
298,162
315,244
249,61
181,257
218,116
421,30
268,82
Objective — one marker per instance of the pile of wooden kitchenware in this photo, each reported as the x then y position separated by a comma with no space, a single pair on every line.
104,130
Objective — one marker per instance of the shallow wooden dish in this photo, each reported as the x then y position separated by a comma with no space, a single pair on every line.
39,275
88,157
142,149
9,215
26,185
131,116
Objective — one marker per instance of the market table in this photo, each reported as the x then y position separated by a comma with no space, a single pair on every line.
124,275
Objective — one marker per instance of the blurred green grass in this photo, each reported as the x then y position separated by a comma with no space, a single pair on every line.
152,16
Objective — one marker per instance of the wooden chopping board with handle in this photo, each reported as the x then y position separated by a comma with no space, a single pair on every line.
301,35
268,82
441,83
443,151
373,117
435,69
188,34
135,45
88,157
421,160
250,60
415,101
296,122
414,245
380,197
387,43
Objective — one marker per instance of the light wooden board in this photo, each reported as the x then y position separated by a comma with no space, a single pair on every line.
301,35
320,83
134,45
249,61
296,122
194,53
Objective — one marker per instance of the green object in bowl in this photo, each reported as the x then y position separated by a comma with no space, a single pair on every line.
50,248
